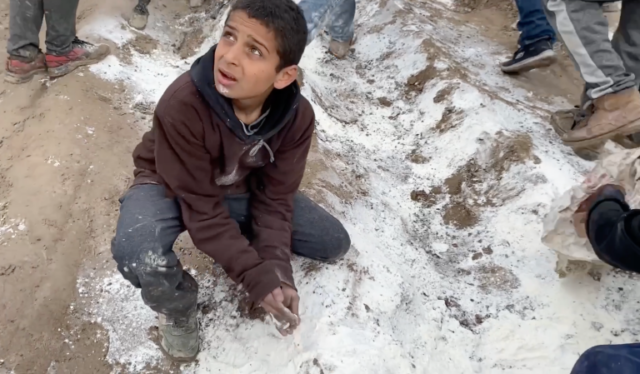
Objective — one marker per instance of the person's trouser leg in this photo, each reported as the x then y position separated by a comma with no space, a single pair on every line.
338,14
148,226
609,359
316,233
61,25
584,30
25,22
626,40
532,23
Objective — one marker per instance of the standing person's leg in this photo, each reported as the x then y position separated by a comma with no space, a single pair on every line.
609,87
626,40
140,15
148,226
609,359
341,28
536,39
65,52
338,14
23,47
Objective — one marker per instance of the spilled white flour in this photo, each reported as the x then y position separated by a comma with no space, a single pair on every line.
416,293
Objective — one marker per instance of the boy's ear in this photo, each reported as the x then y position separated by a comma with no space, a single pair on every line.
285,77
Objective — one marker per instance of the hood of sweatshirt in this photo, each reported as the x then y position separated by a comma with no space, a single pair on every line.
282,104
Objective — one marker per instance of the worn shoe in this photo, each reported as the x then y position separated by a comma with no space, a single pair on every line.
613,114
565,121
83,53
341,49
179,337
139,17
536,55
21,71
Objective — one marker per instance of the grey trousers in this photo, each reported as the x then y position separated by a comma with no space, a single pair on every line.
150,223
25,22
605,66
337,14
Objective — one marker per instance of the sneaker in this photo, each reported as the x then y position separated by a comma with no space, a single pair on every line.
22,71
616,114
537,55
138,19
179,337
83,53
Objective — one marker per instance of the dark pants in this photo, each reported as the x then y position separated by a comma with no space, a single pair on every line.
533,24
609,359
150,223
25,22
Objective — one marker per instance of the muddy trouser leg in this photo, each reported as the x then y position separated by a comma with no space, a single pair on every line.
25,22
339,14
614,233
148,225
61,25
316,233
584,30
609,359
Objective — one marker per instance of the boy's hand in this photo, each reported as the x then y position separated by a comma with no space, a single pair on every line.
283,303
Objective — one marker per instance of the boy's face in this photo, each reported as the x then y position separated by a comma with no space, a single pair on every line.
246,60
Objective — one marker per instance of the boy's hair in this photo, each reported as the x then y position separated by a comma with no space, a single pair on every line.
285,19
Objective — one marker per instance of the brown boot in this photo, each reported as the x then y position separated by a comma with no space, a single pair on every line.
21,71
567,120
83,53
614,114
341,49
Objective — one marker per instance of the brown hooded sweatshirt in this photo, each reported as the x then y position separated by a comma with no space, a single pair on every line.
199,150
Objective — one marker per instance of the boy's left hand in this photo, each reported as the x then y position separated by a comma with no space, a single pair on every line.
282,303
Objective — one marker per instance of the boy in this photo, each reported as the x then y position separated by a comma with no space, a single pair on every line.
224,160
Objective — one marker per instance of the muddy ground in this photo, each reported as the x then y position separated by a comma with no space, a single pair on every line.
65,150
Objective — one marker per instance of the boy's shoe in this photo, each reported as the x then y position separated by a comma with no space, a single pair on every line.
21,71
616,114
138,19
179,337
83,53
536,55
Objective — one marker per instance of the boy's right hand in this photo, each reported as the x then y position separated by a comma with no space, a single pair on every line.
282,303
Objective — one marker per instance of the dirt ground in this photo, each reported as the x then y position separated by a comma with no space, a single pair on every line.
65,150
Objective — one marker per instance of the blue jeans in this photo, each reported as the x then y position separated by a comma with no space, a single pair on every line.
533,24
338,14
609,359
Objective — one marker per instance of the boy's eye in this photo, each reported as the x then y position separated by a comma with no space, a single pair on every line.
229,36
256,51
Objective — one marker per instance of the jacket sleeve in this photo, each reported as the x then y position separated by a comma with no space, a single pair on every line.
185,165
272,200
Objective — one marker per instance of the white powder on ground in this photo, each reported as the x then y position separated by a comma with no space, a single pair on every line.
408,298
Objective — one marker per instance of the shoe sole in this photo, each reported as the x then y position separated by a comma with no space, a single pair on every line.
138,21
543,60
178,359
589,153
73,65
19,79
625,130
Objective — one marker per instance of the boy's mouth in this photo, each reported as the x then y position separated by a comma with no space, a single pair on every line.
225,78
